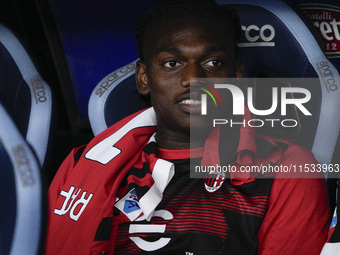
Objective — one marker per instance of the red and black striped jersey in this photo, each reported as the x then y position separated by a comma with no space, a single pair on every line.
120,187
260,217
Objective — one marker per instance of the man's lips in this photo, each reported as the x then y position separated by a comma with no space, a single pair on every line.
192,106
190,101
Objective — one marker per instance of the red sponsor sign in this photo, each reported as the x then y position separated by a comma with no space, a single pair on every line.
326,18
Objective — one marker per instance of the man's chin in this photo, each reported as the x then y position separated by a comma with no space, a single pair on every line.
200,127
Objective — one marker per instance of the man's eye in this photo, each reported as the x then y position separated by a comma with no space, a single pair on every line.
171,64
213,63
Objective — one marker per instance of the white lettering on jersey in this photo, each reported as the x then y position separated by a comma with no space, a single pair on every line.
71,205
105,150
151,228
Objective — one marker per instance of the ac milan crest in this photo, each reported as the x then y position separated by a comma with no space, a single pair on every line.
214,181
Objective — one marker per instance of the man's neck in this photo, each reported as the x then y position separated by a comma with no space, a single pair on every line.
176,141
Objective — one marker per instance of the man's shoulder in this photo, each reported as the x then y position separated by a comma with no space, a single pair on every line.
292,160
287,148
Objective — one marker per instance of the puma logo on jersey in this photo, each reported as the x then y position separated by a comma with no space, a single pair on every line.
73,204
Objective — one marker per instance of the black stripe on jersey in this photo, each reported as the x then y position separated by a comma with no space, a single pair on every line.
260,187
151,148
140,190
104,230
139,172
116,211
78,154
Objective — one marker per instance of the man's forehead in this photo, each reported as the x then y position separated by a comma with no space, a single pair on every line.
189,48
189,31
188,25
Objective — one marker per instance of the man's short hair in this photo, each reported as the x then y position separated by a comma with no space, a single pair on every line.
173,9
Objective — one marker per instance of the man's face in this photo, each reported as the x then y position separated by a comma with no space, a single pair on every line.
176,52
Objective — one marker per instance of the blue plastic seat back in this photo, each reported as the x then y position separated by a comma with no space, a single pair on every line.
114,98
25,95
21,192
89,40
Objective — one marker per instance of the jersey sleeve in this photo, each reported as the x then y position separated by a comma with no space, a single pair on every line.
298,216
60,178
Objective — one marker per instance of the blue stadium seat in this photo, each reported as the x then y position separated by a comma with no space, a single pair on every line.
88,40
21,192
25,95
115,91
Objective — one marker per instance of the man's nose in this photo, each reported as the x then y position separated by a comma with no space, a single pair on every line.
191,73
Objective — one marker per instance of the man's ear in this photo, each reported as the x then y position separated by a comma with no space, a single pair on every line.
239,69
142,80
